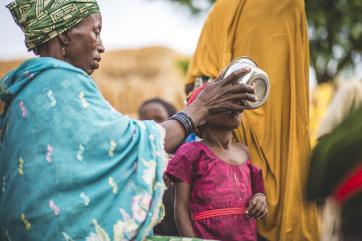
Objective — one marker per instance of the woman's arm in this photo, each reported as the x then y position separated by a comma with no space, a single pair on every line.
175,132
182,214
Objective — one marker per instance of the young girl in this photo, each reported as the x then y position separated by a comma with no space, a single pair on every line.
160,110
219,193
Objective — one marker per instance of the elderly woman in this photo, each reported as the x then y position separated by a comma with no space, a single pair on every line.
71,167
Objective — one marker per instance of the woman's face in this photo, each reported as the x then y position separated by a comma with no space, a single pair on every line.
85,45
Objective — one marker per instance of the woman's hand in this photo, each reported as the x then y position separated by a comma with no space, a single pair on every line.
222,95
217,97
258,207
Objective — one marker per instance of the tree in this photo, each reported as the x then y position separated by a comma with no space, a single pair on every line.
195,6
335,36
335,32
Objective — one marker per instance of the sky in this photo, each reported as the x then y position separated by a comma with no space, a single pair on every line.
126,24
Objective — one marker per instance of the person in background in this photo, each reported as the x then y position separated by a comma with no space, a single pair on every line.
159,110
218,191
156,109
347,100
336,173
274,33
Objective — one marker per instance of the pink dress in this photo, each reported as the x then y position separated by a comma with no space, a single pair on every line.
216,185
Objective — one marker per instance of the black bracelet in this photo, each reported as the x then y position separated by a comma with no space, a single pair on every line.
189,120
186,121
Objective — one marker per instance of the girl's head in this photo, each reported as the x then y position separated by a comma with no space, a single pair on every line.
156,109
226,121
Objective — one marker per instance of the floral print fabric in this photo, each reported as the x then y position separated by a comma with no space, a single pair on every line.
71,167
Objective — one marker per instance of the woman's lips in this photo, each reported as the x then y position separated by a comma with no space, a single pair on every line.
96,63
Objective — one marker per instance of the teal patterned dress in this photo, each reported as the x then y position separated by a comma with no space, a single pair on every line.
71,167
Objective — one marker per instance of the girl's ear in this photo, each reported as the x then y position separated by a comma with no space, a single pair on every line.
199,130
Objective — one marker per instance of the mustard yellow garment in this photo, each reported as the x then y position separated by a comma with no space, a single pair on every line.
274,34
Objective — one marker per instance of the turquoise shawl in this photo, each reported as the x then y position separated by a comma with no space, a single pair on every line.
71,167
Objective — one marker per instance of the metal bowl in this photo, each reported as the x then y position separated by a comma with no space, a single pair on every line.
256,78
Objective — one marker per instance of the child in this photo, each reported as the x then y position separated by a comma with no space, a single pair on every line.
156,109
219,193
159,110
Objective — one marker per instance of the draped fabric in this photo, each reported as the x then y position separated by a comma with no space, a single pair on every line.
71,167
274,34
338,154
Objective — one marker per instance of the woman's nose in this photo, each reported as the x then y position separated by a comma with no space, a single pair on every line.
100,47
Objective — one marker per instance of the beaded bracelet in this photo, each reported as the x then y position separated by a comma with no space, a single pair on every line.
186,121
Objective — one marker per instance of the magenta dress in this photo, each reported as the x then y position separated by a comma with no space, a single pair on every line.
217,185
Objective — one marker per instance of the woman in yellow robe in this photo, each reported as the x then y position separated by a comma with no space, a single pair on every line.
274,34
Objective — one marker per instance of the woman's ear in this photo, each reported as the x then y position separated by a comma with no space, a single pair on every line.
64,38
36,51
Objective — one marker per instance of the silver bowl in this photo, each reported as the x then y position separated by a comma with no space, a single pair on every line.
256,78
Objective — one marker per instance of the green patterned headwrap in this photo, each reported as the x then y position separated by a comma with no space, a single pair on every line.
42,20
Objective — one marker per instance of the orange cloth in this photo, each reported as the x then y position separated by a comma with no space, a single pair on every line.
274,34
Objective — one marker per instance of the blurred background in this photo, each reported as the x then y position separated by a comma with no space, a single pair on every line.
149,44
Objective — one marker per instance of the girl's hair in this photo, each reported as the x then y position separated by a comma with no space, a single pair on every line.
171,110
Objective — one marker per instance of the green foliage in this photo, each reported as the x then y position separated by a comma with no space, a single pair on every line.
195,6
335,32
183,65
335,36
